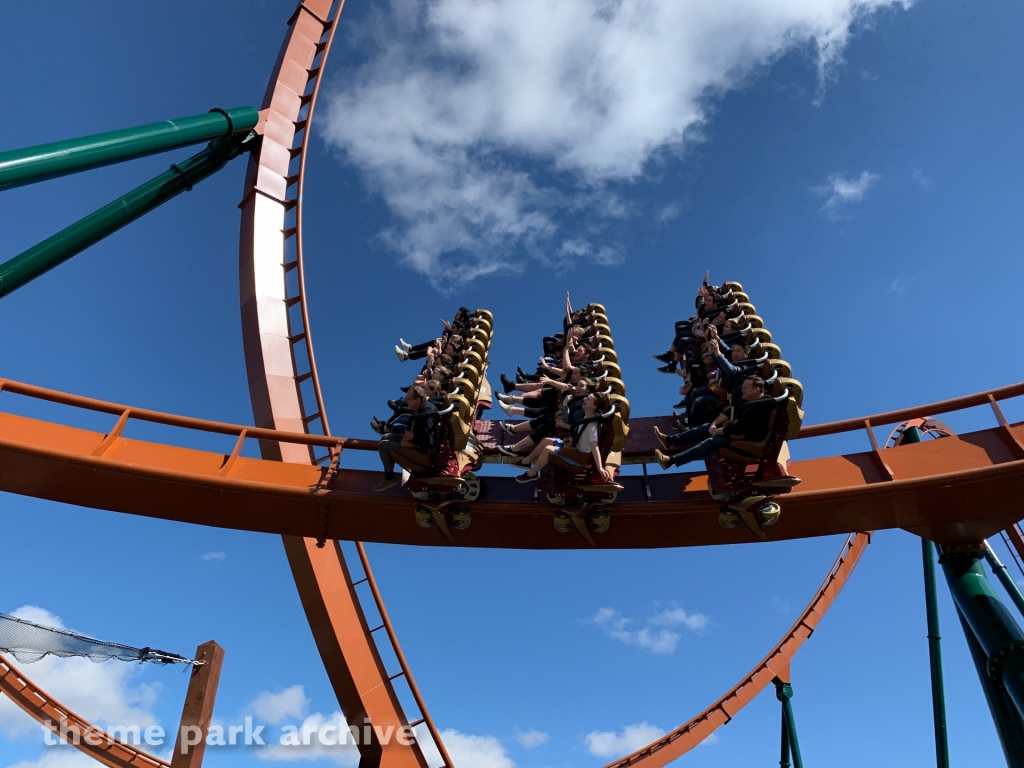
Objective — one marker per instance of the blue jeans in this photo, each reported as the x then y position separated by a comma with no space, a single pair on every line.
701,450
690,436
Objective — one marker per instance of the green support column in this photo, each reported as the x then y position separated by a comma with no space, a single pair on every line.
1007,719
60,158
999,636
935,657
1004,578
784,692
57,249
784,757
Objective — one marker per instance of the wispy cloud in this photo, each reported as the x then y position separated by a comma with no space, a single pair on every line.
668,213
842,192
609,744
292,750
215,556
658,635
531,738
493,131
922,181
274,708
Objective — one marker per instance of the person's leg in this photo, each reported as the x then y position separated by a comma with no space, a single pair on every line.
387,445
702,450
535,453
690,436
542,461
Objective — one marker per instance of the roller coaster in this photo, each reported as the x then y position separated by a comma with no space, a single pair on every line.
949,491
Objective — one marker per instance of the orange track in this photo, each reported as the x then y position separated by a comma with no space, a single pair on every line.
775,664
952,490
51,713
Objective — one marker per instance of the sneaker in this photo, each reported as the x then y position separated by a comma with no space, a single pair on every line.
664,357
387,482
507,384
506,407
662,438
507,451
680,404
520,378
405,345
663,461
521,372
526,478
503,398
508,427
394,405
404,389
667,369
401,354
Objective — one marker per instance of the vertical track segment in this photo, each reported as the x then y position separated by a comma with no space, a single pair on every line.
277,344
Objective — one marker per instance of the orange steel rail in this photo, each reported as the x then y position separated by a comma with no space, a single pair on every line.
272,336
775,664
952,490
51,714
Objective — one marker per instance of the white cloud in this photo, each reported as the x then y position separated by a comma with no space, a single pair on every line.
311,729
712,738
657,636
58,757
103,694
922,181
216,556
274,708
468,751
609,744
842,191
493,128
668,213
531,738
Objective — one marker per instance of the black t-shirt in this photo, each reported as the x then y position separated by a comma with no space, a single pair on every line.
424,426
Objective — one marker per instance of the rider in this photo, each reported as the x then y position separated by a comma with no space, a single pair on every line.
415,443
750,422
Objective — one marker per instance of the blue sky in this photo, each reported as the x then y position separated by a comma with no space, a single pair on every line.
861,179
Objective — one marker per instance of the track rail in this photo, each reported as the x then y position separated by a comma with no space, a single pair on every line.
775,664
51,714
952,490
283,395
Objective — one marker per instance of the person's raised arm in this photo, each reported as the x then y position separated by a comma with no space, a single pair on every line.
561,386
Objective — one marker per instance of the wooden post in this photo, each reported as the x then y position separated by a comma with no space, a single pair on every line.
190,743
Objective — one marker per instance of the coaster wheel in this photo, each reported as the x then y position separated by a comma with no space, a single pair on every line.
729,518
423,517
470,488
768,512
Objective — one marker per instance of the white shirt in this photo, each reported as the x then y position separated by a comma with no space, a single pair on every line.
589,438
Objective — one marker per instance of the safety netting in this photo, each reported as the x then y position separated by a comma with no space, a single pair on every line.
28,642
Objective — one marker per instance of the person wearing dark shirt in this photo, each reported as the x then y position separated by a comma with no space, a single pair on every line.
416,443
749,423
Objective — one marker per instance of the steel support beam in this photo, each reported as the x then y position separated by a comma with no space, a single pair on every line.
72,240
1008,722
935,657
60,158
996,631
197,712
784,693
1004,578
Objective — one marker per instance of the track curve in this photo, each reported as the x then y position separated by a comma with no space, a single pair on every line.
272,336
775,664
51,714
